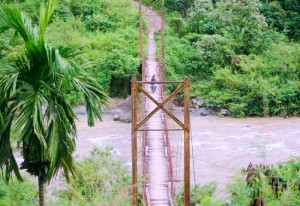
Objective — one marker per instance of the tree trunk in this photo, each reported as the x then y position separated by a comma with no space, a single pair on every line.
41,190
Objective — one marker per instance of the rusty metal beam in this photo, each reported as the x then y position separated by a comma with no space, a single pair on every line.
163,38
173,94
134,143
160,82
186,127
147,94
173,117
158,130
186,142
153,112
141,31
160,106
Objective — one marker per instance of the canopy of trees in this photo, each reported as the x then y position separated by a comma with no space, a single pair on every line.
241,55
105,31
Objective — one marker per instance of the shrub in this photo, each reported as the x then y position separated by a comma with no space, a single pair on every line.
18,193
101,180
202,195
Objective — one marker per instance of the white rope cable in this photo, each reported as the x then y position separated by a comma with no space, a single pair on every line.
193,159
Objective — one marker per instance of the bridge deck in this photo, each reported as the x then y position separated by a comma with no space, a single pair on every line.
158,178
157,162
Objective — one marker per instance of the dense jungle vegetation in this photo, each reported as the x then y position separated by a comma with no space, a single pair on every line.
240,55
273,185
101,180
258,185
105,31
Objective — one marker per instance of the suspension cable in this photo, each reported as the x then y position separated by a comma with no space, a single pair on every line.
192,145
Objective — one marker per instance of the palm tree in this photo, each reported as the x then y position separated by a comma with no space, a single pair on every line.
33,105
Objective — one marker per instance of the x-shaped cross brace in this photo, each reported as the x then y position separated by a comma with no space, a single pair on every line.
160,106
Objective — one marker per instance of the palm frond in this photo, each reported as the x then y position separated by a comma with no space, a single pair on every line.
29,108
60,134
34,87
45,15
8,163
12,18
94,96
1,121
8,82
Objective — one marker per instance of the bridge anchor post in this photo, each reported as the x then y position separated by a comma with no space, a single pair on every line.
134,143
186,142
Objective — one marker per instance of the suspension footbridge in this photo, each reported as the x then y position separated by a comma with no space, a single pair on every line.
159,163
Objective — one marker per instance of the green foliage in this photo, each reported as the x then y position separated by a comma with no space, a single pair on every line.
182,59
178,25
105,31
214,52
202,195
283,16
101,180
17,193
233,59
265,85
180,6
243,23
110,42
201,19
28,6
238,21
33,106
207,40
63,12
4,42
277,185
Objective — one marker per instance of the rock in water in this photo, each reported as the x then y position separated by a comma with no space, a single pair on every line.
224,112
122,112
116,117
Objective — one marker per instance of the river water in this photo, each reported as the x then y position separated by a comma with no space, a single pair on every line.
221,146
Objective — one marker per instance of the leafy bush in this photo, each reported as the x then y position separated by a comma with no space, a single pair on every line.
202,195
233,59
4,42
101,180
214,52
265,85
17,193
273,185
283,16
63,12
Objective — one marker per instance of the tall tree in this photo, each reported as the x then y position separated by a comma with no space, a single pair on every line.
283,16
181,6
33,104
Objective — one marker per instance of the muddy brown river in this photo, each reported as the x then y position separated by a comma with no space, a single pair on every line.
221,146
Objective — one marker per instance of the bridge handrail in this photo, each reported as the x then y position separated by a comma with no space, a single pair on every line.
167,134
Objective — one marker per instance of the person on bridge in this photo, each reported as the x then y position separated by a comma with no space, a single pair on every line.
153,86
153,79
